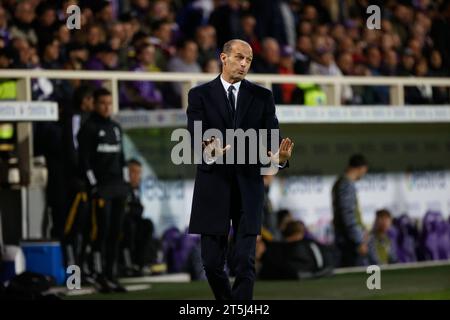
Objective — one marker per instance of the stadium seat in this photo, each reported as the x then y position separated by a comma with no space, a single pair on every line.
435,237
406,239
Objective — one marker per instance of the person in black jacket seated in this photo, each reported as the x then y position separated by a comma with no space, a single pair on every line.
295,257
138,247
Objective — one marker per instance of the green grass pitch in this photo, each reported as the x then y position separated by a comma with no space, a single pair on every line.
417,283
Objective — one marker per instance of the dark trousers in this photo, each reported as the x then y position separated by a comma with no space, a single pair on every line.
106,229
241,259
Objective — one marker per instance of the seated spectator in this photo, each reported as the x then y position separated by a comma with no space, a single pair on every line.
103,13
286,66
23,54
225,19
75,59
303,55
211,66
390,63
268,62
207,46
269,59
45,23
22,27
161,38
138,246
284,216
441,95
76,56
407,63
184,61
62,34
105,58
269,226
248,33
140,9
49,51
95,37
381,249
120,42
326,66
374,64
142,94
296,257
420,94
5,36
8,87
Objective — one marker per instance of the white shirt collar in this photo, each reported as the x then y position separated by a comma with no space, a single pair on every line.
226,85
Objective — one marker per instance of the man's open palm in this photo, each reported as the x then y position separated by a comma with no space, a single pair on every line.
213,147
284,152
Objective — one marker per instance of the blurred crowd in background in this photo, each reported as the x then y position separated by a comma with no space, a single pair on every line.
327,37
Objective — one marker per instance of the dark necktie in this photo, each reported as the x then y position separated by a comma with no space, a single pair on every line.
232,101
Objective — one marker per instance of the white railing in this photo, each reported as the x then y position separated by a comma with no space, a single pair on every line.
331,84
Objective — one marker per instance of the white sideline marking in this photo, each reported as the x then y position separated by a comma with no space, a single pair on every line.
177,277
397,266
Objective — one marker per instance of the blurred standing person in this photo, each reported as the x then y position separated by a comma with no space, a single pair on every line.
103,164
350,233
76,229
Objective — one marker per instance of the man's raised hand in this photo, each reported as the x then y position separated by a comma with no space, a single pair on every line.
284,152
213,149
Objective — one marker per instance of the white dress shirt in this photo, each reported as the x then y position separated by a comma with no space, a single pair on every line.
236,86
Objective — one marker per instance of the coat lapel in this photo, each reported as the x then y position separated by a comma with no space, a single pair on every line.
243,102
220,100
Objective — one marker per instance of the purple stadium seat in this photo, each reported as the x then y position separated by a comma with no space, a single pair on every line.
406,238
176,248
435,238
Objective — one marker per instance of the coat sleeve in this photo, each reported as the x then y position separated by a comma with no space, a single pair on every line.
272,124
87,145
196,114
